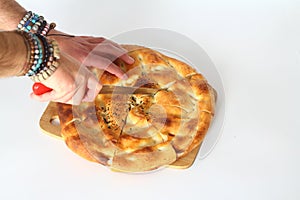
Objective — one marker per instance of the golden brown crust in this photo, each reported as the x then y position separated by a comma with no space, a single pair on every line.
142,132
146,159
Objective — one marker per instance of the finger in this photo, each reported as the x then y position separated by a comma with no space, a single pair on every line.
65,93
104,63
79,94
94,88
48,96
107,50
67,98
114,69
112,53
53,96
94,85
126,58
73,98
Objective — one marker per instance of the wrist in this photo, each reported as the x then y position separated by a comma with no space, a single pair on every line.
43,57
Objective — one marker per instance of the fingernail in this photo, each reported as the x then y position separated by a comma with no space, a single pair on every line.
131,60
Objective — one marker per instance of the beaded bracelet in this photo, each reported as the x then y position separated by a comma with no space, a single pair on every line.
28,25
50,64
43,57
47,53
38,56
34,23
26,17
36,53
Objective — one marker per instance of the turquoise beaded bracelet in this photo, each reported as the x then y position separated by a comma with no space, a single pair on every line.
38,57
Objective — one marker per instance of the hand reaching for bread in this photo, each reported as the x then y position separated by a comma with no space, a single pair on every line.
93,51
73,83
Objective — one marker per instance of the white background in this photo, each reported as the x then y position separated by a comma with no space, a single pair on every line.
256,47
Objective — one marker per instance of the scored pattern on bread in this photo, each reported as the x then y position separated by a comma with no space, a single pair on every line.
137,132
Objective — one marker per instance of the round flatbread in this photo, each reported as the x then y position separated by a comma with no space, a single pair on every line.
141,132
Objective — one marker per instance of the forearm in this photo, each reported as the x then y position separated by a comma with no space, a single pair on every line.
13,53
10,14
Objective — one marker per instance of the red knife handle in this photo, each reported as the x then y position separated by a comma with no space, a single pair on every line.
39,89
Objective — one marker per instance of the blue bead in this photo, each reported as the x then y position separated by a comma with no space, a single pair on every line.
30,73
27,23
36,67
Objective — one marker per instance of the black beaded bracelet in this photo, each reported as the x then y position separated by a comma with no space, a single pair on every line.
47,53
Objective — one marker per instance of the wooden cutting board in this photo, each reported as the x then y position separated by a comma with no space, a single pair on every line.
49,124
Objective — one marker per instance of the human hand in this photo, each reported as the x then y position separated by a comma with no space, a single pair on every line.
72,83
93,51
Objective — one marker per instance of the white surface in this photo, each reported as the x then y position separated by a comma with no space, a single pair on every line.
256,47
